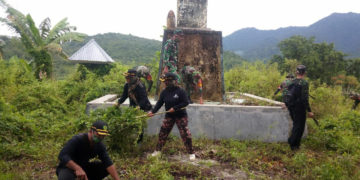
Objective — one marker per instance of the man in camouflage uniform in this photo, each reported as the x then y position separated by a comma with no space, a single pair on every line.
175,100
356,98
171,53
298,104
144,72
284,85
192,81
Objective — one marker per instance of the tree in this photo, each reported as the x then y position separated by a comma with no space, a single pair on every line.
353,67
2,44
40,42
321,59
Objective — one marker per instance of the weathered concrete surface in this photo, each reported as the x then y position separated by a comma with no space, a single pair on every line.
263,123
192,13
202,49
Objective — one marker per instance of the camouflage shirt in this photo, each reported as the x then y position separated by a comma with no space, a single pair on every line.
144,72
191,77
171,50
284,85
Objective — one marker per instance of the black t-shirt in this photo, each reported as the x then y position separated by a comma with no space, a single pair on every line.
140,95
79,150
173,97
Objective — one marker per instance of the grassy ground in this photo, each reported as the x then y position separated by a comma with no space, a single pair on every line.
225,159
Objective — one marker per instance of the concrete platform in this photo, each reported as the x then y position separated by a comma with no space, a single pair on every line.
262,123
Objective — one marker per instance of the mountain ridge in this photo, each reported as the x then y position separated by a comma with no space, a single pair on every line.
342,29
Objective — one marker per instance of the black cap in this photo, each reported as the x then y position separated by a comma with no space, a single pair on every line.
100,127
169,76
130,72
300,69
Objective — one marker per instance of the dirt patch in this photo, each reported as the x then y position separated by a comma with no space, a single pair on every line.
210,166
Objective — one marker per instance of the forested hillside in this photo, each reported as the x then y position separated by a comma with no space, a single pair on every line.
125,49
342,29
122,48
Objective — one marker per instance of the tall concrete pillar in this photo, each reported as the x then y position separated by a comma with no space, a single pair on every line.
200,47
192,13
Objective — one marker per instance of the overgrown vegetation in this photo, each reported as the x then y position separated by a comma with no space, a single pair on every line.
38,117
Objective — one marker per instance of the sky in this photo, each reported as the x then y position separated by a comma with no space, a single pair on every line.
146,18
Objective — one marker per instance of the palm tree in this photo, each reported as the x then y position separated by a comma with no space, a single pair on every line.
40,42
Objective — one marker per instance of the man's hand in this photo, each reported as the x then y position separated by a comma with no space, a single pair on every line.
171,110
150,114
310,114
116,104
283,106
80,173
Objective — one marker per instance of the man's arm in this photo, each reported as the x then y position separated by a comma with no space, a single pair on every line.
79,172
112,171
306,99
279,89
66,154
124,95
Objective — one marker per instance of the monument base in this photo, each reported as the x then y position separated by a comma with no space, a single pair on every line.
219,121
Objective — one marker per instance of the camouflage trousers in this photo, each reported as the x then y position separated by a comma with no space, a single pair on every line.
168,124
170,66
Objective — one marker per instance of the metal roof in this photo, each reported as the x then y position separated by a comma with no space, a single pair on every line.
91,52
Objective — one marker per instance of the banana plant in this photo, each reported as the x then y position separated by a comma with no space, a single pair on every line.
40,42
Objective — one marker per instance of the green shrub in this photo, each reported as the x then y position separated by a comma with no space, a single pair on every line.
327,101
124,126
13,126
255,78
329,171
339,134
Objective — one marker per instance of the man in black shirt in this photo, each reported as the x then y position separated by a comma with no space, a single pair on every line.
75,155
298,105
175,100
136,92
